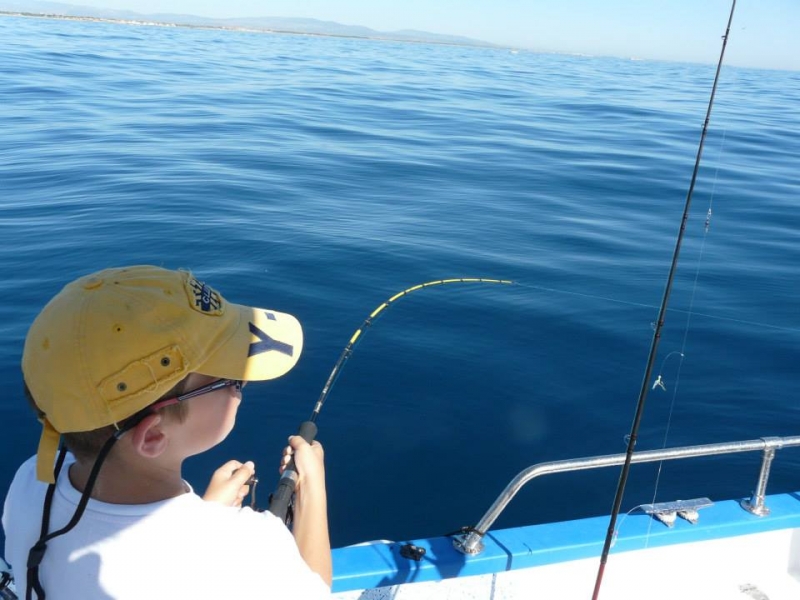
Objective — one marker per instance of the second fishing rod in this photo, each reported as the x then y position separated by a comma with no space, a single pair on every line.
659,325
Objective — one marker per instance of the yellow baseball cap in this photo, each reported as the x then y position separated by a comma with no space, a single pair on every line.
111,343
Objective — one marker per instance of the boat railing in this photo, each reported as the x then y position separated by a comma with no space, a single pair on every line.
470,543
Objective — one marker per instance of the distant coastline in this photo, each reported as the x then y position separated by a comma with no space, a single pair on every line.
376,36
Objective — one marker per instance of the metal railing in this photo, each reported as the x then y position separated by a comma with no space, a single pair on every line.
470,543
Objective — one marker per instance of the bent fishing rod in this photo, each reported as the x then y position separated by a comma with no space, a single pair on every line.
623,479
281,499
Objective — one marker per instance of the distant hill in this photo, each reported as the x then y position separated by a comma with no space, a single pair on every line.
273,24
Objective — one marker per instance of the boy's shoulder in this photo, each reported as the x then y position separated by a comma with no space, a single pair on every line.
28,468
25,486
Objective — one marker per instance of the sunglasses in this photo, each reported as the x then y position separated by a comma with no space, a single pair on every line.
206,389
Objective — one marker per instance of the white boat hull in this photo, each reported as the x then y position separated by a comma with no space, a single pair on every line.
729,554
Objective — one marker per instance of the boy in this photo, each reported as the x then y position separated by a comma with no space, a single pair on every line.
137,369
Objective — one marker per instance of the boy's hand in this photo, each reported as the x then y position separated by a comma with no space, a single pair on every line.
310,527
309,460
228,485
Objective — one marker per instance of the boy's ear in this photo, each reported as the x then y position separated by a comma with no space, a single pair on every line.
148,437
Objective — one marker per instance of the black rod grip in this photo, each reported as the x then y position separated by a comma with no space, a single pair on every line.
282,497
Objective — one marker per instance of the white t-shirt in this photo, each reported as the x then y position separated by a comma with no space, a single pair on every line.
183,547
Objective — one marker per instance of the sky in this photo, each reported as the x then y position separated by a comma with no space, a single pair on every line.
763,34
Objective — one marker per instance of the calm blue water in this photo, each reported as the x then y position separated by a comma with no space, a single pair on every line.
321,176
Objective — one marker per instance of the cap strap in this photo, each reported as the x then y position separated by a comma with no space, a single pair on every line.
46,455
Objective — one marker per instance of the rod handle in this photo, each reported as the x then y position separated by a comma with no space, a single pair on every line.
282,497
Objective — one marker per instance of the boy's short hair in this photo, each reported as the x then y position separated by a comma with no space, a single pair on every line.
112,343
86,445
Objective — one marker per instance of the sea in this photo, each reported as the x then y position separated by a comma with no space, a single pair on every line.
321,176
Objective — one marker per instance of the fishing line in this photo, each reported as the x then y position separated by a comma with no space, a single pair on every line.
622,523
652,306
585,295
623,479
659,382
281,499
714,184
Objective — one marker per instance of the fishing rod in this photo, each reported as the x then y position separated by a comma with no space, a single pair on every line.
281,499
623,478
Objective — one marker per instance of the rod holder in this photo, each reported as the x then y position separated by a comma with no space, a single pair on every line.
755,504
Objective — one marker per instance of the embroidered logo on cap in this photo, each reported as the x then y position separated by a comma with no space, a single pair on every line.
204,298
